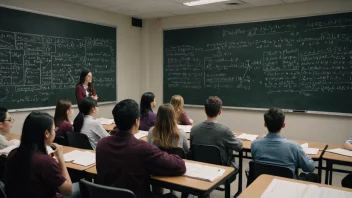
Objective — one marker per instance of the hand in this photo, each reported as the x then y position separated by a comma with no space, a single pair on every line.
58,152
95,97
261,136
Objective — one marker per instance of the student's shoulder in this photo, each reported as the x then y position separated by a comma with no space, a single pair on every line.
292,144
41,158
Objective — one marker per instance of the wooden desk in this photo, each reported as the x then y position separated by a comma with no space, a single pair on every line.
11,136
109,127
189,185
331,159
257,188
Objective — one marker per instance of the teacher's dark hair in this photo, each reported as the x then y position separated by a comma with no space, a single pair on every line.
85,106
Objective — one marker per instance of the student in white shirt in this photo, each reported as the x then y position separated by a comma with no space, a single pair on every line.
5,127
85,122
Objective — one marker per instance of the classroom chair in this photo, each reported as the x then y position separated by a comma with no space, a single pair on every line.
2,190
91,190
176,151
61,140
3,159
256,169
211,154
78,140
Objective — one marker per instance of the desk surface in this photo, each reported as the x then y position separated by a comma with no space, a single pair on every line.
109,127
185,181
257,188
334,156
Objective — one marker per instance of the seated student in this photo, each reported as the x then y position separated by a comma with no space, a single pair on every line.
181,117
166,133
5,127
210,132
126,162
147,115
347,181
86,124
277,150
63,112
31,172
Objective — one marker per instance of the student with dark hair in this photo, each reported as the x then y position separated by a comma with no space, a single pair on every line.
147,115
277,150
210,132
126,162
84,87
86,123
166,134
63,112
31,172
5,127
347,181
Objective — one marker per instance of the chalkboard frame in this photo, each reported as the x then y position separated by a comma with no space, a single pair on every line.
243,22
74,19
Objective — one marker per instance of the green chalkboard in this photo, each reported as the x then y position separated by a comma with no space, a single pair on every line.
41,58
300,63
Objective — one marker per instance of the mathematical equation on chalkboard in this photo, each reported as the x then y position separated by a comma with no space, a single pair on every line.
304,58
42,65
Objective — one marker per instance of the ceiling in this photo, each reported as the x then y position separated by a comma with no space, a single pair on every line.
163,8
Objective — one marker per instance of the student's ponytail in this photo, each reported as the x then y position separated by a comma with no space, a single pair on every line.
78,122
85,107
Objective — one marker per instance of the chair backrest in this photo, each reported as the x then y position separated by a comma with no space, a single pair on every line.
176,151
206,153
256,169
78,140
91,190
2,190
61,140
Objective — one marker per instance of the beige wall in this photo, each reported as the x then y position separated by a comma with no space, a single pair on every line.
128,46
332,129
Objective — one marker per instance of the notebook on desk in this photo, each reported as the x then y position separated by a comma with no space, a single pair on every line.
309,151
185,128
203,172
141,134
249,137
83,158
340,151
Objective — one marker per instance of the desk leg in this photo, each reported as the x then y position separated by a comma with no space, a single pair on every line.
227,189
240,161
327,172
330,175
320,165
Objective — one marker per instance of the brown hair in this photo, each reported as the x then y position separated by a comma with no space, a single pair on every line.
61,111
166,133
177,102
213,105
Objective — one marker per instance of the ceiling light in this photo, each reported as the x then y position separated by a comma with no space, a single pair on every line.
202,2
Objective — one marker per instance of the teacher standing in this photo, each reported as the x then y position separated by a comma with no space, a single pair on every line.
85,87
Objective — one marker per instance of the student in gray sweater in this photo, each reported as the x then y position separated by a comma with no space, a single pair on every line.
210,132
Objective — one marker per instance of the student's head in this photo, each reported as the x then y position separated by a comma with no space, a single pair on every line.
85,77
63,111
213,105
177,102
274,120
147,103
165,131
126,116
87,106
5,121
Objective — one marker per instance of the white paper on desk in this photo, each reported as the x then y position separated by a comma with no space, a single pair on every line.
203,172
309,151
340,151
329,192
86,159
105,121
185,128
247,137
70,156
141,134
280,188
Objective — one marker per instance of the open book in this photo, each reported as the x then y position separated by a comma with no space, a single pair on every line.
83,158
249,137
340,151
141,134
309,151
203,172
281,188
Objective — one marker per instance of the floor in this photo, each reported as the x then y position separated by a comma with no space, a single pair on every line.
337,177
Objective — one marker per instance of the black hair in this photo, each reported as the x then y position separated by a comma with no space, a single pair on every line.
82,78
212,105
18,170
84,106
274,119
3,112
146,99
125,114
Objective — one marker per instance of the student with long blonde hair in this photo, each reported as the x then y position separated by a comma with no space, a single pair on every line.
177,102
165,133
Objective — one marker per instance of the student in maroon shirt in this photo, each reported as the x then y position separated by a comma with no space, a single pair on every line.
63,112
85,88
126,162
148,117
31,172
177,102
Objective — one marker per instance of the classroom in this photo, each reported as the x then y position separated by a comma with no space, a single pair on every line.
140,54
